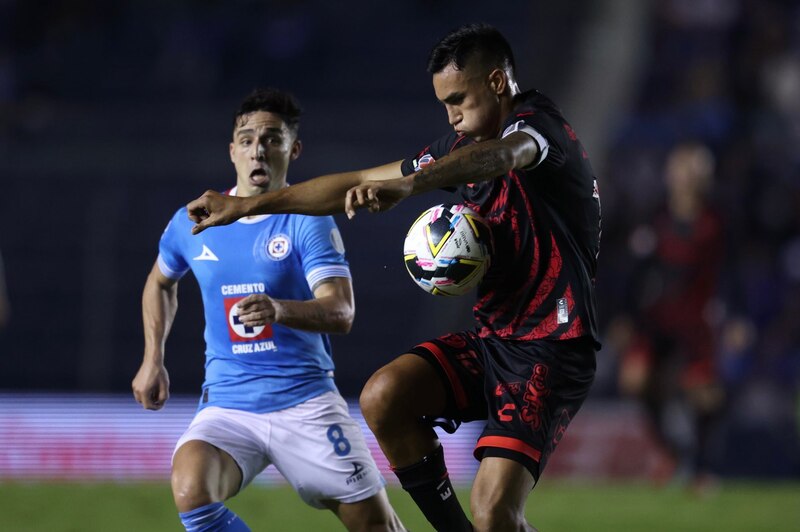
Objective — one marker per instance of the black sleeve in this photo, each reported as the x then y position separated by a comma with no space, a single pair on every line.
543,129
434,151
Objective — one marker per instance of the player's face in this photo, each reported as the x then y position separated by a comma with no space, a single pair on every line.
262,148
471,97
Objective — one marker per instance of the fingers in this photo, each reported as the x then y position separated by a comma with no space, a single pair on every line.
256,310
360,197
349,209
161,398
152,400
249,301
198,208
202,226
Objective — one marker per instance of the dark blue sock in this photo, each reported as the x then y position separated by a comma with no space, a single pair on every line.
212,517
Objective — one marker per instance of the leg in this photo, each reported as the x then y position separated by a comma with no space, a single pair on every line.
322,453
499,494
203,474
374,514
219,452
393,408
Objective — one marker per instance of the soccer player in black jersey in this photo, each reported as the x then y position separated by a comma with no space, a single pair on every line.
528,364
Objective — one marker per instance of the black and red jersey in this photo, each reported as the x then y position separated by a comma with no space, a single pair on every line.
545,221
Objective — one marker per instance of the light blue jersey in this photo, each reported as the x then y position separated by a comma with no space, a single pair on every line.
258,369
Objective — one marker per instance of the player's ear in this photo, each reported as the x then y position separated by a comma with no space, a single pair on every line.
230,151
297,147
498,81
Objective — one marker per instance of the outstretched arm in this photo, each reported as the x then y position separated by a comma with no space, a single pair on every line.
477,162
319,196
159,306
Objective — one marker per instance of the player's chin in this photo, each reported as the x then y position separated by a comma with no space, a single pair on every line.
259,181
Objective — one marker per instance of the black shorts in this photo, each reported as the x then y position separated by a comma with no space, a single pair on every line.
528,391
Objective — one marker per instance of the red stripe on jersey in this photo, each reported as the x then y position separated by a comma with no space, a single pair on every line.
543,291
550,323
576,327
457,142
575,330
506,309
512,444
455,384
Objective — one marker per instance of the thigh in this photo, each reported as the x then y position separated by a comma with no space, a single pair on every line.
238,434
459,360
533,390
321,451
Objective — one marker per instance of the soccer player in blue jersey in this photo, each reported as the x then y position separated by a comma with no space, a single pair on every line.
528,364
273,287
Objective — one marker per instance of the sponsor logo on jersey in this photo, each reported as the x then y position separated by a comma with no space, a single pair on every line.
239,332
278,247
423,161
243,288
206,254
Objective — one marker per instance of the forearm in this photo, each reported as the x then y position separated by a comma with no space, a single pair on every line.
159,306
319,196
472,164
324,315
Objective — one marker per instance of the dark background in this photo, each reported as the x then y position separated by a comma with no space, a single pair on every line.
114,114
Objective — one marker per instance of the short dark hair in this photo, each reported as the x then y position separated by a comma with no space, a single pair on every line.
463,44
271,100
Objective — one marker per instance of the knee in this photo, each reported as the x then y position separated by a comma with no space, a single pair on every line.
488,517
189,490
379,398
488,514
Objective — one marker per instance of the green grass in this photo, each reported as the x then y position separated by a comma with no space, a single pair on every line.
553,507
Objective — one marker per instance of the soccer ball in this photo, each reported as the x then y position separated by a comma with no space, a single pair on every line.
448,250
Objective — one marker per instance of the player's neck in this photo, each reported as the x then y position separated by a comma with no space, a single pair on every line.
247,192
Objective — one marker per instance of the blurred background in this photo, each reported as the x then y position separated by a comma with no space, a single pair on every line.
115,114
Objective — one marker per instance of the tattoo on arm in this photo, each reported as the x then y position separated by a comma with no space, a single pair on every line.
481,162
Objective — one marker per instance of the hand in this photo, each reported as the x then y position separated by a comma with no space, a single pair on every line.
213,208
257,310
377,196
151,386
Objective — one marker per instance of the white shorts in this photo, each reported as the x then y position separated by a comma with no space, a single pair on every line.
317,447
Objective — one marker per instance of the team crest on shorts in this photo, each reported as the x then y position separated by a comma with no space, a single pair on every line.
279,247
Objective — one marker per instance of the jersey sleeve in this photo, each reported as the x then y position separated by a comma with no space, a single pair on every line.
322,250
433,152
171,260
539,127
